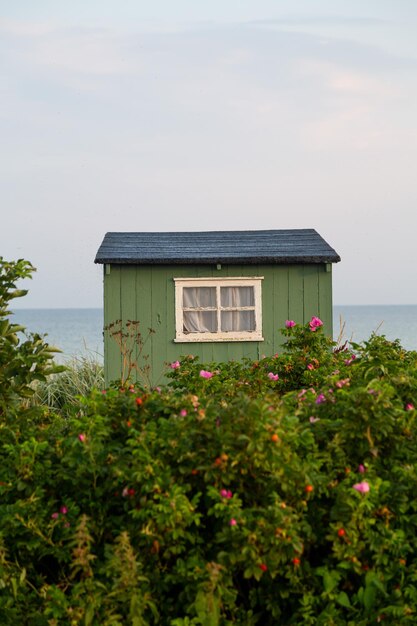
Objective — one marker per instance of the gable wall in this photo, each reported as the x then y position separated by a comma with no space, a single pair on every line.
147,294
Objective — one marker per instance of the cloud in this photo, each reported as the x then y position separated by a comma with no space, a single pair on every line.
355,108
25,29
84,52
342,79
183,86
235,125
327,20
72,50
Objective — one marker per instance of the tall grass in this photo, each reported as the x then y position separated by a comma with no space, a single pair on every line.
61,391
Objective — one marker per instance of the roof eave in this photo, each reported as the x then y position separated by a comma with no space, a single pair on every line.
288,260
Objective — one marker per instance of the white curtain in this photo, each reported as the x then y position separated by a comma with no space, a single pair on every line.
199,298
237,320
237,296
204,320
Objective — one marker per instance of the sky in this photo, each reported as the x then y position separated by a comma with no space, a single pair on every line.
187,116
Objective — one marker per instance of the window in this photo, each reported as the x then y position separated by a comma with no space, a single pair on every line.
212,309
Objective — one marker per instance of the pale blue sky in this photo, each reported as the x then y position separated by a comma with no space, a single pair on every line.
194,116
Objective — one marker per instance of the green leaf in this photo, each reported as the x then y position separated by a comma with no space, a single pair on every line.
22,576
15,328
369,596
330,580
207,608
372,579
89,615
14,586
18,293
343,600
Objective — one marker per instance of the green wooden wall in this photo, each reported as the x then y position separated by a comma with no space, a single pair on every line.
147,294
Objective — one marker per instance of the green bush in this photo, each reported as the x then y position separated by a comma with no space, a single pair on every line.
307,359
273,492
24,358
280,491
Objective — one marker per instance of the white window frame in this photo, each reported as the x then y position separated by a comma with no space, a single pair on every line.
230,281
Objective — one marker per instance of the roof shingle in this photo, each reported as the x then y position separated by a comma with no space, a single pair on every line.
227,247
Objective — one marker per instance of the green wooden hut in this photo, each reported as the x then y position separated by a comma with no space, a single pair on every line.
218,295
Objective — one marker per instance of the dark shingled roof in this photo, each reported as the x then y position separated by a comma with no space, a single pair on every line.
228,247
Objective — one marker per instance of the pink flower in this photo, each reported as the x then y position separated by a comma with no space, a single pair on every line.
232,522
362,487
63,510
289,324
175,365
350,360
361,469
205,374
320,398
310,366
82,437
342,383
225,493
273,376
409,407
183,412
313,419
315,323
55,515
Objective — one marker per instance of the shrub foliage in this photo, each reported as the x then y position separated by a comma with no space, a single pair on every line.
280,491
24,357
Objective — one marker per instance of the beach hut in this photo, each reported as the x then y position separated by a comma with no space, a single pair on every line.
217,295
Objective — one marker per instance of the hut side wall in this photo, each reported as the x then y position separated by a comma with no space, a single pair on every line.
147,294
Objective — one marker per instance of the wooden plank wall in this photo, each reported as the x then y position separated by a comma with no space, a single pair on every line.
112,313
147,294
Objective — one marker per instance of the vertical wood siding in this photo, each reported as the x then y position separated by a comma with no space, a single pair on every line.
147,294
112,313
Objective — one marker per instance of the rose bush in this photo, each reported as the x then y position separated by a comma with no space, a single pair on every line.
188,507
236,498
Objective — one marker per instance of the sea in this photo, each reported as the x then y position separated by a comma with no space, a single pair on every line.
79,332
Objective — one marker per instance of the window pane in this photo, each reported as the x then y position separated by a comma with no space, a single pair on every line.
195,297
238,320
200,322
237,296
